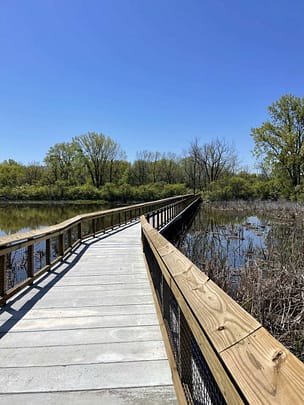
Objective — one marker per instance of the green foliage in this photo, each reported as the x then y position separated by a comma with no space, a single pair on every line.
244,186
267,189
98,153
11,173
83,192
63,163
280,141
93,167
170,190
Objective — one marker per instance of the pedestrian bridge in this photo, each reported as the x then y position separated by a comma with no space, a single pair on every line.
103,309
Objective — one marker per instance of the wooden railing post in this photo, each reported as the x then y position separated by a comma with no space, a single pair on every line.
48,252
30,261
103,224
70,237
79,230
94,227
3,275
61,244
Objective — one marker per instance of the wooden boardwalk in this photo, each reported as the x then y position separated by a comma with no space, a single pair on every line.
87,332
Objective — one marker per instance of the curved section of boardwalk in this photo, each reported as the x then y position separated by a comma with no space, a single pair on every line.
87,332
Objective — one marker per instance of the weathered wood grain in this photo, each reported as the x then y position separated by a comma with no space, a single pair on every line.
266,372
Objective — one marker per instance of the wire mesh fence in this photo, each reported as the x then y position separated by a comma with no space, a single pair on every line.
54,251
199,385
16,267
39,255
74,234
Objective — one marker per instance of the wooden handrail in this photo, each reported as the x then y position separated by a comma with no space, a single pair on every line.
8,239
52,243
248,364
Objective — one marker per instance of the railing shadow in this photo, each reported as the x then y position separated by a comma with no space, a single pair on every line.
58,271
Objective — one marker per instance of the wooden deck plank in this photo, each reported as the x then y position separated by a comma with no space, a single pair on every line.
83,311
75,354
110,321
85,377
135,396
82,302
81,336
89,326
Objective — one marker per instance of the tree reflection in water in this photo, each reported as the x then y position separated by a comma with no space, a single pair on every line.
20,218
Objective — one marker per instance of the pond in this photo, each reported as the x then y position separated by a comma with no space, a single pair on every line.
15,217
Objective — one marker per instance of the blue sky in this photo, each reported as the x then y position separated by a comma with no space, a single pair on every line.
153,75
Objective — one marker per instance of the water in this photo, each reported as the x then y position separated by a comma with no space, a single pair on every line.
230,239
24,217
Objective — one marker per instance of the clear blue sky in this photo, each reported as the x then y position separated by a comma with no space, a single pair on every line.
151,74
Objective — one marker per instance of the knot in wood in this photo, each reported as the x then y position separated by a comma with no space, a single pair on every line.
277,355
222,327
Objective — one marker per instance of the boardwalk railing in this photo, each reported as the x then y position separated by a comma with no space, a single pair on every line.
218,352
25,256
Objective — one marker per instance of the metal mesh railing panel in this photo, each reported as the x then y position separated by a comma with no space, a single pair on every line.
54,253
204,387
39,255
74,234
86,228
100,224
199,385
66,240
17,265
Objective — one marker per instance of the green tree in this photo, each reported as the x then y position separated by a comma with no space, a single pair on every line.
98,153
63,163
12,173
141,169
279,141
34,173
170,169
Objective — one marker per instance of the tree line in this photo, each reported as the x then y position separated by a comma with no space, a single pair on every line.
94,166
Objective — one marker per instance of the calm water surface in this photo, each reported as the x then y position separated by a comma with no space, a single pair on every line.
20,218
233,238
